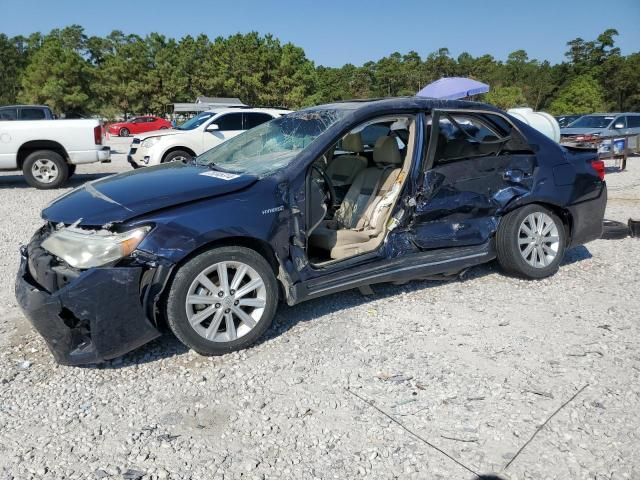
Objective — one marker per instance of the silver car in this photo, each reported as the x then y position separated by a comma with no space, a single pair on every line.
606,125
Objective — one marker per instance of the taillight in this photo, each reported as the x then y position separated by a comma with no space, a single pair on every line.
97,134
598,166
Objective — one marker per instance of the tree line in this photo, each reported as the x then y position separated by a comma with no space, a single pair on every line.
122,73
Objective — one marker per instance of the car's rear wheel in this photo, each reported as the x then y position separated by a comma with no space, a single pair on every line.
531,242
45,169
177,156
124,132
223,300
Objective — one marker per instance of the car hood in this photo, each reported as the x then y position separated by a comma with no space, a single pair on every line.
157,133
580,131
119,198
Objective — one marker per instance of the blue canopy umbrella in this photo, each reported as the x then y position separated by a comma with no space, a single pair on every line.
451,88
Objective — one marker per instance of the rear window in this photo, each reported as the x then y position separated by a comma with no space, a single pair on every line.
32,114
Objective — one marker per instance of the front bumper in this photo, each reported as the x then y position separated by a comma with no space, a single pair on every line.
97,316
140,156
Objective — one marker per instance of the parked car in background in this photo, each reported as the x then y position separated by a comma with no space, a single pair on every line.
138,125
26,112
212,246
604,125
565,120
48,152
197,135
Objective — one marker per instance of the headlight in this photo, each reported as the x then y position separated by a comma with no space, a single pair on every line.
150,142
91,248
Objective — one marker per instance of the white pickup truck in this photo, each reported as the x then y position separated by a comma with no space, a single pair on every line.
47,151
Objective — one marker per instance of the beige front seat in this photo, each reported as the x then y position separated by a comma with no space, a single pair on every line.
344,168
352,230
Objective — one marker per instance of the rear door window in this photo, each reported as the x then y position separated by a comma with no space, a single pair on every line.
230,121
32,114
253,119
8,113
633,121
465,136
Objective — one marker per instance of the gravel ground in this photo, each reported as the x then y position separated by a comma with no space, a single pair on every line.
473,367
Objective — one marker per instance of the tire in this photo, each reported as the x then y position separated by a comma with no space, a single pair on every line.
124,132
535,259
177,156
72,170
45,169
196,329
612,230
163,128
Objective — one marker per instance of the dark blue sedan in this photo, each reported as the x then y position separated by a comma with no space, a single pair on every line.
326,199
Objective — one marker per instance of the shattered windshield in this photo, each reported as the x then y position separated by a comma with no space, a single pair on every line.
196,121
272,145
592,121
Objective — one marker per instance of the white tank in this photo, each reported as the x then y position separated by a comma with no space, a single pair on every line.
541,121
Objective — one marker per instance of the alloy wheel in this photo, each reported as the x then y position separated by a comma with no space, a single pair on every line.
226,301
45,171
538,239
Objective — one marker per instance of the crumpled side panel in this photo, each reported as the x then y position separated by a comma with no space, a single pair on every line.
462,201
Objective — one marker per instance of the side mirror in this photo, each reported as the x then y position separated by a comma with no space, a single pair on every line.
618,126
213,127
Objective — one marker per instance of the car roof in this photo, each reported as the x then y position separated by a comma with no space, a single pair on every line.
418,103
275,111
611,114
20,106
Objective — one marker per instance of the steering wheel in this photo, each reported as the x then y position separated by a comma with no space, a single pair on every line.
327,182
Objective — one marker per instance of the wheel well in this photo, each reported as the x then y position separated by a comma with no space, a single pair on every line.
562,213
259,246
29,147
173,149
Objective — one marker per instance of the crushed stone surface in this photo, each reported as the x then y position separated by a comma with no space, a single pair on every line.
473,366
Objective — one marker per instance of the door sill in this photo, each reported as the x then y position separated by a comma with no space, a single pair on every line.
407,267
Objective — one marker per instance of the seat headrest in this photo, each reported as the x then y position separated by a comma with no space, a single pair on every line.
386,151
352,142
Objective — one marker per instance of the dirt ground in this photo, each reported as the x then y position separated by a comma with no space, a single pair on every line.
474,367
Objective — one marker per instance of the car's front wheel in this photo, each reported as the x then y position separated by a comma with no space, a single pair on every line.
124,132
531,242
222,300
177,156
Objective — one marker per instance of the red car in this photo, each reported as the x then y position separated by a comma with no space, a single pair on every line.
138,125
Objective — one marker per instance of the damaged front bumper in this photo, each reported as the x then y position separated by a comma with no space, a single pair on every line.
99,315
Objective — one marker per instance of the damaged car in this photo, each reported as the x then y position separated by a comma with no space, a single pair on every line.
319,201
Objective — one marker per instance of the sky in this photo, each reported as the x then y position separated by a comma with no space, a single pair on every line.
333,33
